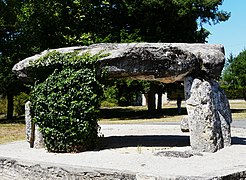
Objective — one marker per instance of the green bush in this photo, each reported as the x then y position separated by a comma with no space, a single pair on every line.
106,103
65,104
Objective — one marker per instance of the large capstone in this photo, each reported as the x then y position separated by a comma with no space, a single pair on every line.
165,62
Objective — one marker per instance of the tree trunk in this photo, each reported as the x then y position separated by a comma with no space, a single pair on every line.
159,104
10,106
151,98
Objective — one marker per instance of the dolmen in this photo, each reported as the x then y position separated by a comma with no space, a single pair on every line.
197,65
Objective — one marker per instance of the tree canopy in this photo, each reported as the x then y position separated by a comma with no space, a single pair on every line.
234,75
30,26
50,24
11,50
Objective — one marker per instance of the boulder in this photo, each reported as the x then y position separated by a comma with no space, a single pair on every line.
165,62
209,115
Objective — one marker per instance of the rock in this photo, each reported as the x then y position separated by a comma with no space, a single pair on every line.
184,124
29,124
177,154
209,115
165,62
33,135
157,62
16,169
39,141
23,68
223,112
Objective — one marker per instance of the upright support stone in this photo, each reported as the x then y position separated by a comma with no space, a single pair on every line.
33,135
39,141
208,114
29,124
223,112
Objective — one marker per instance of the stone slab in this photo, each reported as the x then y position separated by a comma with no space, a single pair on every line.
165,62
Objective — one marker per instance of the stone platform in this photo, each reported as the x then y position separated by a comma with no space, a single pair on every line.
135,151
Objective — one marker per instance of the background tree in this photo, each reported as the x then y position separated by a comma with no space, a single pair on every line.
49,24
234,76
11,51
30,26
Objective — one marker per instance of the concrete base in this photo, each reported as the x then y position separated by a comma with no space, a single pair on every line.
23,170
130,152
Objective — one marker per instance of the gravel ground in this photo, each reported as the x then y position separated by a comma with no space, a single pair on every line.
139,148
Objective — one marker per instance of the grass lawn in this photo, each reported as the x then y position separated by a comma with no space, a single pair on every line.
238,109
15,130
12,131
139,114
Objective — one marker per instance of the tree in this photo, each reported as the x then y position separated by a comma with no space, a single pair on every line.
30,26
174,20
234,76
49,24
10,51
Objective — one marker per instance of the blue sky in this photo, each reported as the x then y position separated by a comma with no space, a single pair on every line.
232,33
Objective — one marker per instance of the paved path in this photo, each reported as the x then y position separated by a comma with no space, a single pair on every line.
239,123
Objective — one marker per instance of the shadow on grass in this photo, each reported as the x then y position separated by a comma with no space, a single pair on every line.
132,113
238,110
144,140
15,120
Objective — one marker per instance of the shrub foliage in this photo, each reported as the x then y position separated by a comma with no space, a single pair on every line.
65,101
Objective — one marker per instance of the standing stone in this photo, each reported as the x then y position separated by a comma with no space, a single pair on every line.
209,115
33,135
29,124
39,141
223,112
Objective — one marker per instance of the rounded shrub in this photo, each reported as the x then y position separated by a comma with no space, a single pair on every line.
65,104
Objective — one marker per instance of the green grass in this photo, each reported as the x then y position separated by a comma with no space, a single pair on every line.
238,109
15,130
139,114
12,131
